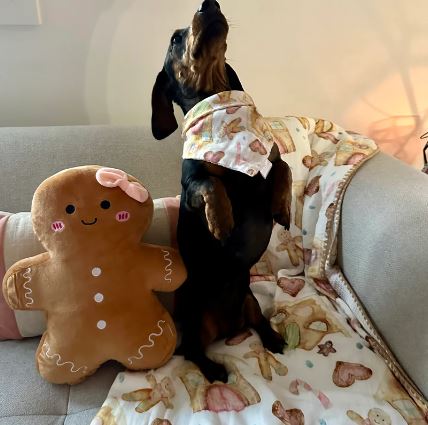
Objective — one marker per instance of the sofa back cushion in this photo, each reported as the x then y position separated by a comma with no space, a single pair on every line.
31,154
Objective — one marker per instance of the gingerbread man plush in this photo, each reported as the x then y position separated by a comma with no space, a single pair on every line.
96,280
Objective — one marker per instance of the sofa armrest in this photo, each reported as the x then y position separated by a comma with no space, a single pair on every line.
383,247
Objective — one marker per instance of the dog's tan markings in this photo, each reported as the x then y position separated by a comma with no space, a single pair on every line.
218,210
232,128
206,72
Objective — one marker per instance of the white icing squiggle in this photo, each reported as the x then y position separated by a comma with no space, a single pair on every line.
59,360
152,343
168,268
27,276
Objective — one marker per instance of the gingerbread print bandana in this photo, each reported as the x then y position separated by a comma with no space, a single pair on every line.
226,129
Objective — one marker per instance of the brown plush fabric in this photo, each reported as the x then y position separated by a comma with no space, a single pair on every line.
96,280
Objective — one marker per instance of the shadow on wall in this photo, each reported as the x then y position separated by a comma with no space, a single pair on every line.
399,136
399,102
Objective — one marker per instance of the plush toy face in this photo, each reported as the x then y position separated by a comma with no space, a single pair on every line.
72,208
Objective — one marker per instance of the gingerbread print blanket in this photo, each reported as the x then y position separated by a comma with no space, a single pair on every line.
336,369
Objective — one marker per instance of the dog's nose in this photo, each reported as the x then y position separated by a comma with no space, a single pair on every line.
209,6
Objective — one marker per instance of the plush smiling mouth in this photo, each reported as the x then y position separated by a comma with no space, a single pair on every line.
90,223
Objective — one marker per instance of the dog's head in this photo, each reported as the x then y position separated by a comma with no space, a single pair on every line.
195,67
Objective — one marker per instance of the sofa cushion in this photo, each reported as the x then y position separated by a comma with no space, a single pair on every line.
25,398
19,241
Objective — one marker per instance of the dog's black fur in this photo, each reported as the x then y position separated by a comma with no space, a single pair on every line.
226,217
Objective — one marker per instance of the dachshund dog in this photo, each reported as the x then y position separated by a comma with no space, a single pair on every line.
226,216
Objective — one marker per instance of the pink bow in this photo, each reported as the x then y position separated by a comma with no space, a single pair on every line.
112,177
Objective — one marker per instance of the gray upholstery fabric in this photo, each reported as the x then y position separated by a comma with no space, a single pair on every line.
384,255
25,398
29,155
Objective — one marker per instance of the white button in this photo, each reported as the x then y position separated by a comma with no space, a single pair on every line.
101,324
96,271
99,298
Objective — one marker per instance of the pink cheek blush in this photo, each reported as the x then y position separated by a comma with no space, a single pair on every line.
123,216
57,226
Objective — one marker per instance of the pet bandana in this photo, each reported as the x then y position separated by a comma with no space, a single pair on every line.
226,129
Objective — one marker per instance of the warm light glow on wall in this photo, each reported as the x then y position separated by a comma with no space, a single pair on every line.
395,114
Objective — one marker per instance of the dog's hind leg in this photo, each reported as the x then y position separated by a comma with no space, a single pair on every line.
271,339
281,192
195,341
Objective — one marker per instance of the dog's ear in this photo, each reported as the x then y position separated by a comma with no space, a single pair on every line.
234,83
163,119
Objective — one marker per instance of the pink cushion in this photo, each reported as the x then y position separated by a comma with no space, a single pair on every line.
172,206
8,325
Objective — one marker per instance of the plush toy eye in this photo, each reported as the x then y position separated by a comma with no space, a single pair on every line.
105,205
69,209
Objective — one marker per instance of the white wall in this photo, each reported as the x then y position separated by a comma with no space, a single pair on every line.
357,62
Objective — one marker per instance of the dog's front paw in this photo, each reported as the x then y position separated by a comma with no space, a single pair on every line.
218,211
220,220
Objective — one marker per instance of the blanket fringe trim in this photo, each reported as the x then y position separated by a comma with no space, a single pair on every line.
334,219
346,293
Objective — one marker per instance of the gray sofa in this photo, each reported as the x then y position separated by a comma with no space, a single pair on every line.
383,250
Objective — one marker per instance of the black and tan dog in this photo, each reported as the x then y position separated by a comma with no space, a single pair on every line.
226,216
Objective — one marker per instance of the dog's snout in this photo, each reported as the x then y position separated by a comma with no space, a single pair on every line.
209,6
